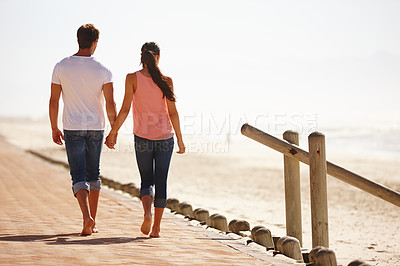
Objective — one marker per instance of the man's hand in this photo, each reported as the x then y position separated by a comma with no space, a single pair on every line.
57,136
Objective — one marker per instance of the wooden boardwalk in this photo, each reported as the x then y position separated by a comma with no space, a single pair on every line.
40,223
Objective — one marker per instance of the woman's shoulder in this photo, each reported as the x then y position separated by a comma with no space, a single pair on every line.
131,81
131,75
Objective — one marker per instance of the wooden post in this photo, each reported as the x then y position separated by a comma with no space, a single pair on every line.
202,215
185,209
254,230
235,226
173,204
219,222
321,256
291,248
325,257
292,190
263,237
318,190
134,191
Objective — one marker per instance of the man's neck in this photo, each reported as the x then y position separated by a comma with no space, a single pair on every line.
84,52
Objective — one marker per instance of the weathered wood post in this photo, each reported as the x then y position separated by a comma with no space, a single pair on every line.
318,190
290,247
292,190
185,209
173,204
325,257
235,226
263,237
219,222
202,215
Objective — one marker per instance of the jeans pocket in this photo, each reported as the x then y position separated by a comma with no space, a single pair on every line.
97,135
70,135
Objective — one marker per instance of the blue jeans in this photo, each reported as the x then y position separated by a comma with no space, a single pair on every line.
153,158
83,150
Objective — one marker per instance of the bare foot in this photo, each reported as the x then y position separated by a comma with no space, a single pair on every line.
155,232
146,225
87,227
94,229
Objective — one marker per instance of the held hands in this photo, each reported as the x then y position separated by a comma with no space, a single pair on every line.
111,139
181,147
57,136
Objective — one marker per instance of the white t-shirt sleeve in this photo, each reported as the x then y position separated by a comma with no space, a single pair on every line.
109,77
55,78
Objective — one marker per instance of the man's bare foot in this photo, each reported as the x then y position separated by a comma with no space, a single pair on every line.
146,225
155,232
87,227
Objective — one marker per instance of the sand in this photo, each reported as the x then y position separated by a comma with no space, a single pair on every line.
247,183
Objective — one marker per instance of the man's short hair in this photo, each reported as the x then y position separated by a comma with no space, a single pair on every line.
87,35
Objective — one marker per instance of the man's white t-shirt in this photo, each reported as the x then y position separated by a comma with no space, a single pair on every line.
82,79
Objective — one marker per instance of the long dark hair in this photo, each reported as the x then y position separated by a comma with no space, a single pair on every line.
149,52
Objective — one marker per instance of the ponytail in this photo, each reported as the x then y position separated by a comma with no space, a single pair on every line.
149,52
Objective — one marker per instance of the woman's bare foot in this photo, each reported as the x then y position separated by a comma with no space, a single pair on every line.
87,226
94,228
155,232
146,225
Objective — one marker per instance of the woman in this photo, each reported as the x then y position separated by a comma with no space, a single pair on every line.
154,114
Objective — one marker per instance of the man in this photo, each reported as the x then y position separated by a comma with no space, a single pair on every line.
84,84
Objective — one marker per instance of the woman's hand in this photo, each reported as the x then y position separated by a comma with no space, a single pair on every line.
111,140
181,147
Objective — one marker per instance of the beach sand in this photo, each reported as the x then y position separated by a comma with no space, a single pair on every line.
247,183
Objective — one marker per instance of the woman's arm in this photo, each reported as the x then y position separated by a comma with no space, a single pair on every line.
174,117
130,87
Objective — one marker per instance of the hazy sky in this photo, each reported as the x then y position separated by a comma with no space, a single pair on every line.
338,59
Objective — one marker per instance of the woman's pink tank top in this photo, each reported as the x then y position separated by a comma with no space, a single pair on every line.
150,111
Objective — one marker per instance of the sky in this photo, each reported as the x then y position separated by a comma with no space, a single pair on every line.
335,60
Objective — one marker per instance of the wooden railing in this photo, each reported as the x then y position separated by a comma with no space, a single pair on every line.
319,167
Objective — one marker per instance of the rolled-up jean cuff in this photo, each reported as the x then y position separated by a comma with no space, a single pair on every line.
146,191
79,186
95,185
160,203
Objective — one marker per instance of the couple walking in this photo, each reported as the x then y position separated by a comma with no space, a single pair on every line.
84,84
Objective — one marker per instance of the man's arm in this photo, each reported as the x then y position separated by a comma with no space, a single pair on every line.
53,113
111,109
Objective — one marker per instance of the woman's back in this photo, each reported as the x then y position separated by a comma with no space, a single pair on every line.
149,109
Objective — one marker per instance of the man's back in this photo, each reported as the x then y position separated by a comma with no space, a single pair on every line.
84,84
82,79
